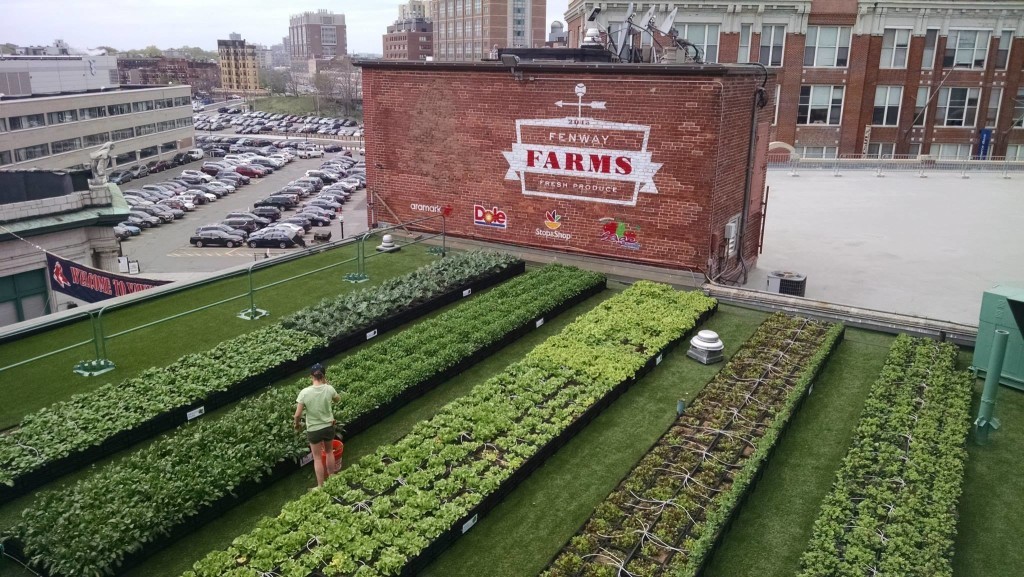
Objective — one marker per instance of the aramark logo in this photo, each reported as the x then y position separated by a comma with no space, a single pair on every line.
582,158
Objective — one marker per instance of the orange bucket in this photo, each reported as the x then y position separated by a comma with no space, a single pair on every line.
338,448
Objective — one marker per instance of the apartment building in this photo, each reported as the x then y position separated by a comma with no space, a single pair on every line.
239,67
887,77
409,40
466,30
201,75
54,110
321,34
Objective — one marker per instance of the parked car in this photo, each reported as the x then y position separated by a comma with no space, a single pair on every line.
223,228
269,212
131,228
157,166
216,238
121,233
316,210
120,176
178,204
302,221
180,159
139,171
272,238
294,229
324,203
261,221
197,174
250,171
311,153
160,212
197,198
281,202
247,224
234,176
143,219
196,153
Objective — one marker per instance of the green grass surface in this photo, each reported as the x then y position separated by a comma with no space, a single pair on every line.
30,387
524,532
302,106
774,525
991,508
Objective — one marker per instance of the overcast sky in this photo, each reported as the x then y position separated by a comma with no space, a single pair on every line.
126,24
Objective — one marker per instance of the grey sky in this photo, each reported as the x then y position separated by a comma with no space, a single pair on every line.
128,24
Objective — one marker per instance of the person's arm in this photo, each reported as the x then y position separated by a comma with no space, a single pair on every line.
298,417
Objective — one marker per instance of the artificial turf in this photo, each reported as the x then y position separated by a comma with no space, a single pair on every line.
33,386
522,534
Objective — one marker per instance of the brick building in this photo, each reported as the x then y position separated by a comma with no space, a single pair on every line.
466,30
609,160
409,40
238,66
938,77
321,34
201,76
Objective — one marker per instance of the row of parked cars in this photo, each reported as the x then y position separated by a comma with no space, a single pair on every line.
126,175
263,122
164,202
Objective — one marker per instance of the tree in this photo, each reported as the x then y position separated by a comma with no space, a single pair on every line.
291,83
349,84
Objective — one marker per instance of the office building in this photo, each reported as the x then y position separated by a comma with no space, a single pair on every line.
238,66
56,109
409,38
319,34
862,77
466,30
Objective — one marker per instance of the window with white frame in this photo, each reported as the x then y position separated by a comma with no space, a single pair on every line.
1015,152
921,106
957,106
895,46
995,97
827,46
1003,50
820,105
887,105
773,41
778,93
931,37
1018,109
966,49
819,151
881,149
950,151
703,36
744,54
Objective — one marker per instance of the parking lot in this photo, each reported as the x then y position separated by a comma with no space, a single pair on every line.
166,248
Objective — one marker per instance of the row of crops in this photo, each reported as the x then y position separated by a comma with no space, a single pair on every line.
891,511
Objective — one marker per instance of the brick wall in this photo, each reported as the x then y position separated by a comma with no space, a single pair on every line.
438,136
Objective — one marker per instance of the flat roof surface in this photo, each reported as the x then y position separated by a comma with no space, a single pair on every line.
920,246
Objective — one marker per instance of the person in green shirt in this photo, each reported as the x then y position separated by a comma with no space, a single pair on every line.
316,401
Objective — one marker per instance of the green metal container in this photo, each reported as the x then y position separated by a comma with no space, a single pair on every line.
1002,308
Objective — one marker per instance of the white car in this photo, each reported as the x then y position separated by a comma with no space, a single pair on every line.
218,185
293,229
311,153
191,193
197,174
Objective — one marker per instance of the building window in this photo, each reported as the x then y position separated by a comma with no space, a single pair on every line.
895,46
819,151
23,296
122,134
1013,152
1003,51
93,112
820,105
881,149
915,149
68,145
773,40
145,129
3,125
165,125
31,152
957,106
142,106
163,103
1018,109
169,147
5,157
704,37
115,109
778,94
62,117
182,101
951,151
887,105
966,49
827,46
745,31
921,106
995,97
96,139
126,158
147,152
27,121
931,37
183,122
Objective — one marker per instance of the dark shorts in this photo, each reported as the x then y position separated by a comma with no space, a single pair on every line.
320,435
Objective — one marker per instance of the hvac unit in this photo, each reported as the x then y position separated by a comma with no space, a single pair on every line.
787,283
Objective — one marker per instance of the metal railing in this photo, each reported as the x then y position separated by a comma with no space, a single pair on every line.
99,338
918,165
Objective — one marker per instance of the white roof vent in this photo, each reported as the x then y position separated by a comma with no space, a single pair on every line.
706,347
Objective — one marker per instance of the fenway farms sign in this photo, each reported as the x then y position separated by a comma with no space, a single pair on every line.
582,158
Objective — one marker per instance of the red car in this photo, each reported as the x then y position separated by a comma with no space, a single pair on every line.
250,171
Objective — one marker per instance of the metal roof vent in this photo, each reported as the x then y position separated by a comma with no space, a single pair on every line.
706,348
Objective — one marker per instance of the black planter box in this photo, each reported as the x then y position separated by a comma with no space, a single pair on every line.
418,563
248,489
176,417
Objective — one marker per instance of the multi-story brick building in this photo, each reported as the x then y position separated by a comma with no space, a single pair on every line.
239,68
409,40
320,34
468,29
202,76
938,77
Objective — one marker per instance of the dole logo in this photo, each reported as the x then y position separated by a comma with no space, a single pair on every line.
493,217
552,220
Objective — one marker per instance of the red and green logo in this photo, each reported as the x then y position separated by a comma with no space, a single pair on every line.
552,220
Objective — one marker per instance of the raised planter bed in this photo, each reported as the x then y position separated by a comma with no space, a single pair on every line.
167,420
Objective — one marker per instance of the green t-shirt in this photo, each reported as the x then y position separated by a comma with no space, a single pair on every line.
317,401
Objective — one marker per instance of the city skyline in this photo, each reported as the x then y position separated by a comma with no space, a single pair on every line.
188,22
